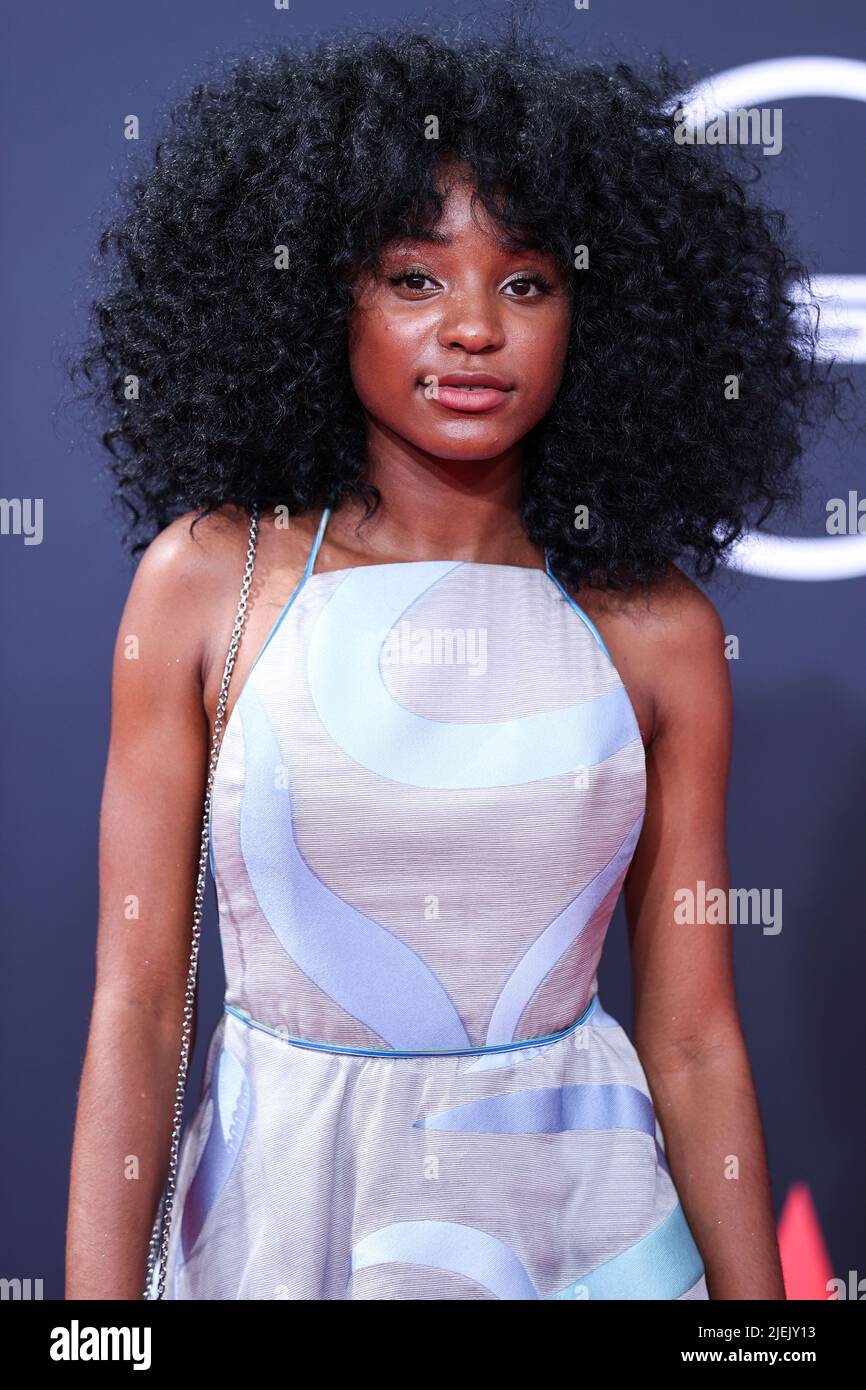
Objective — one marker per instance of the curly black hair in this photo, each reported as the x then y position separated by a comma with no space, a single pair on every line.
244,389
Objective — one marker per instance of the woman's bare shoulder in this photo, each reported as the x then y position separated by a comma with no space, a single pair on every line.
188,580
667,619
193,550
196,561
667,642
182,581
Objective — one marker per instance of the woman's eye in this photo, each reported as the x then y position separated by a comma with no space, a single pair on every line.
528,285
411,279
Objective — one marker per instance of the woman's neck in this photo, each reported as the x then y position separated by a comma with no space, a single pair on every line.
461,509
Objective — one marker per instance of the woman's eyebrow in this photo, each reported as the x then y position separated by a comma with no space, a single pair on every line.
431,238
434,238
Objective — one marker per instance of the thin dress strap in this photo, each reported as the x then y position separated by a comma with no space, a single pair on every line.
314,549
577,608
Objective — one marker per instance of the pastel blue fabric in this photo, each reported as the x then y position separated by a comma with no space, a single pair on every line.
363,717
550,1110
357,962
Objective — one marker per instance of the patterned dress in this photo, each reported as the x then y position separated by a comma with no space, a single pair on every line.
427,797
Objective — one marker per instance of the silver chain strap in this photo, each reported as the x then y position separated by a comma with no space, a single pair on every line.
164,1213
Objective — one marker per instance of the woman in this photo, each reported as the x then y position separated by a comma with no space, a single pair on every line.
418,368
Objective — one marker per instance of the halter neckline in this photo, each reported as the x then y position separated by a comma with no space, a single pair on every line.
323,522
530,569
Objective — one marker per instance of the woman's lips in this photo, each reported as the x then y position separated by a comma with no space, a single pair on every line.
474,398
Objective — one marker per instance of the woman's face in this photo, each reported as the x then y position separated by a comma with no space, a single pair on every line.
457,346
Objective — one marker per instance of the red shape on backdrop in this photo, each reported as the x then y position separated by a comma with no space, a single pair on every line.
805,1259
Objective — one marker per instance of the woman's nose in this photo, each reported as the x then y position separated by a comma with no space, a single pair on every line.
470,322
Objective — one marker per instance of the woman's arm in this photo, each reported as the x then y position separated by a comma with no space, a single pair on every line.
150,829
686,1022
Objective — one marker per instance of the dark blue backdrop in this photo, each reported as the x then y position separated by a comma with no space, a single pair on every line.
71,73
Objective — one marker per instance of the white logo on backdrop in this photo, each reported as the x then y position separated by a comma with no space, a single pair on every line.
842,298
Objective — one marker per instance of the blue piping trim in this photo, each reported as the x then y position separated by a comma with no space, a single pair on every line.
590,624
411,1052
308,570
314,550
